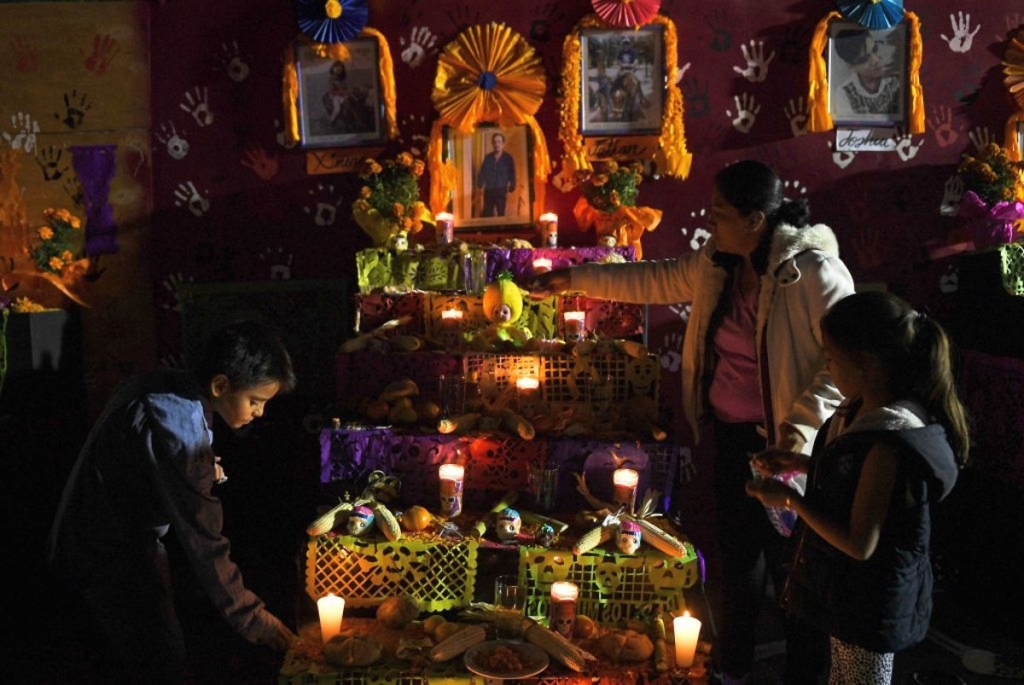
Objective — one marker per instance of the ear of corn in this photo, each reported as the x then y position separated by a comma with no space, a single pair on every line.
660,540
557,646
386,521
458,643
598,535
325,522
480,527
658,638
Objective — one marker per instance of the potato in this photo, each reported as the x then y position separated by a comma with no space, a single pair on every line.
432,623
626,645
396,612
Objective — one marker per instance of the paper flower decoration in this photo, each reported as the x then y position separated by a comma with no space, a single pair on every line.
1013,68
332,21
874,14
389,201
608,205
626,13
489,73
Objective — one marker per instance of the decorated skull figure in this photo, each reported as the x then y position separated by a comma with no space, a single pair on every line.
360,520
400,241
509,523
629,537
545,535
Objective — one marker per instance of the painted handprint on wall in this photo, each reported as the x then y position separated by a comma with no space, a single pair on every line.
797,113
75,108
177,147
196,104
420,44
756,68
26,59
24,135
229,57
186,195
942,126
104,49
260,162
49,161
963,37
905,147
746,112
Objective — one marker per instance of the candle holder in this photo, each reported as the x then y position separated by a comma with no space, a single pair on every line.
527,396
541,265
451,394
451,329
625,482
562,612
547,226
474,268
451,476
445,228
575,326
331,609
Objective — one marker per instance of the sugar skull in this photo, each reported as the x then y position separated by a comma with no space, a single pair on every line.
509,523
629,537
360,520
400,241
545,535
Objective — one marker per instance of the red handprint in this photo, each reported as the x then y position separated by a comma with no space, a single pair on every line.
104,48
25,54
263,165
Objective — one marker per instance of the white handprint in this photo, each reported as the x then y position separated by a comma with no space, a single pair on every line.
797,113
671,358
230,58
952,193
981,137
681,71
186,194
794,187
963,37
24,137
421,41
177,147
842,158
756,70
949,282
197,106
700,236
280,264
905,147
681,310
746,112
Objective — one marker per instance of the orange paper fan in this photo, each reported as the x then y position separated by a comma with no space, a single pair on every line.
626,13
1013,68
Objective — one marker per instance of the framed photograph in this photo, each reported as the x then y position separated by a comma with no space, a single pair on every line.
623,81
867,75
494,189
340,102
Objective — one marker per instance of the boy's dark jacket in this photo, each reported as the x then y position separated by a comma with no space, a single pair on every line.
884,603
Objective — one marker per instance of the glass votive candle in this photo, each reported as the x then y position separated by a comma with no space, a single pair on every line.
527,395
451,329
445,228
548,225
562,614
451,476
687,631
625,482
541,265
575,326
331,609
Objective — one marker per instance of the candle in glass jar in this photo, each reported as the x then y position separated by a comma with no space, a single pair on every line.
527,392
575,325
451,329
331,609
687,631
548,223
445,228
541,265
625,482
451,476
562,615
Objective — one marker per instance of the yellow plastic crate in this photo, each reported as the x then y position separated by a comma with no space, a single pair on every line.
442,575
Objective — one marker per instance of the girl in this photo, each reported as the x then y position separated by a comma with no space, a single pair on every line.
861,567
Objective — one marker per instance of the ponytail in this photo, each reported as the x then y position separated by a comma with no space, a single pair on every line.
932,357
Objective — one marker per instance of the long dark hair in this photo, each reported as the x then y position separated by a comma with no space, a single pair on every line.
913,349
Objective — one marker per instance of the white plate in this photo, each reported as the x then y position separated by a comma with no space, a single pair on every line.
533,657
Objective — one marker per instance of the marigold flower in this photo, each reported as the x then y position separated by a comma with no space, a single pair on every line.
418,167
365,192
56,264
404,158
45,233
67,257
598,180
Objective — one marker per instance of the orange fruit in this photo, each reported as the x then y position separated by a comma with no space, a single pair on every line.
416,518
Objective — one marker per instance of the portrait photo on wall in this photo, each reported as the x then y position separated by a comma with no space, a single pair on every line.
495,181
623,83
340,100
867,75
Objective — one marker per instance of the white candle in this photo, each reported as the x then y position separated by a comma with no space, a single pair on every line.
451,476
562,612
562,591
687,630
527,384
451,329
625,482
527,394
549,229
331,609
452,315
575,325
541,265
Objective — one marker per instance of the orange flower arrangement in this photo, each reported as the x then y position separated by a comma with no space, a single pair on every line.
389,201
53,253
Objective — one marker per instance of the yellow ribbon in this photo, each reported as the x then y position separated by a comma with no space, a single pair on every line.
626,225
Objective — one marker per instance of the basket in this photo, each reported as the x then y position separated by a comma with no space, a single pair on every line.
441,575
